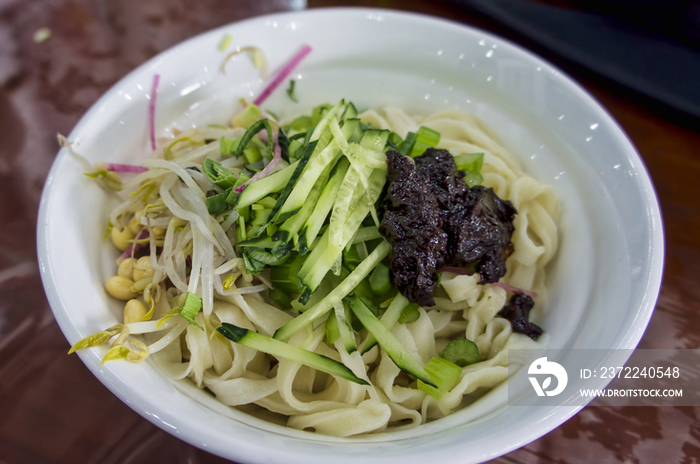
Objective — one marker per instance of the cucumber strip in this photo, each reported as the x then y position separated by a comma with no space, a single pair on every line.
351,257
283,142
379,280
403,359
281,298
376,184
324,289
290,185
350,112
375,139
371,158
365,198
251,132
288,231
366,233
346,204
267,202
321,126
258,242
362,169
263,187
338,293
344,329
323,206
341,207
284,350
326,253
332,331
389,319
355,161
284,277
352,129
315,167
409,314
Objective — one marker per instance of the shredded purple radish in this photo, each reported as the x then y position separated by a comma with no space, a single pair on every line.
125,168
265,171
506,287
286,71
263,136
510,288
129,252
152,110
456,270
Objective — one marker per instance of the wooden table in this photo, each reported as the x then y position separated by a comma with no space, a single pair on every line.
52,410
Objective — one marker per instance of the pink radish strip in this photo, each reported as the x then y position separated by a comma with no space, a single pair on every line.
263,136
152,110
286,71
266,170
128,168
510,288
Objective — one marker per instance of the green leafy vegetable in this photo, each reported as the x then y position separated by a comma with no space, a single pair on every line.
290,91
217,203
218,174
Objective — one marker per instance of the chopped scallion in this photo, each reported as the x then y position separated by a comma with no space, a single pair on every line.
461,352
444,374
189,310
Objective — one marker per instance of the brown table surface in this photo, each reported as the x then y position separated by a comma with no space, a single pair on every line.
52,410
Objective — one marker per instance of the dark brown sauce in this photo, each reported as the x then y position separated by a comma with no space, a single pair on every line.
433,219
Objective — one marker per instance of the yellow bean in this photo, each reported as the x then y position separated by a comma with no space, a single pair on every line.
143,269
134,311
120,288
122,238
159,231
126,268
135,225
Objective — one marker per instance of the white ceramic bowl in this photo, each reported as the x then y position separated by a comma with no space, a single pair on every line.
604,281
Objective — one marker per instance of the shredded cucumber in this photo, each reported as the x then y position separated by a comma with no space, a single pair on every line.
338,293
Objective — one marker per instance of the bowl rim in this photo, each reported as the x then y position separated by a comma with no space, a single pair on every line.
549,420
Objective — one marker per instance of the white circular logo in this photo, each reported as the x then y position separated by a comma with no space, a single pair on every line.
541,367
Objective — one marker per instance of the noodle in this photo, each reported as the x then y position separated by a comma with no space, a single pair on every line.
341,408
311,399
